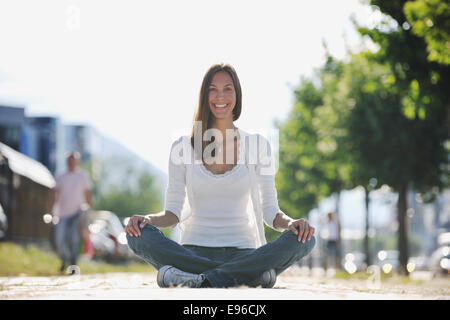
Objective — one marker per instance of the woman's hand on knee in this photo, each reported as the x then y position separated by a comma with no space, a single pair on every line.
302,229
135,224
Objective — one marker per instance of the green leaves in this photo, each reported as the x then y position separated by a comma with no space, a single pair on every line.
379,116
313,160
431,20
370,117
413,103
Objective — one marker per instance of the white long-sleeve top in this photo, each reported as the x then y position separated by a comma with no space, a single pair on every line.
218,213
221,218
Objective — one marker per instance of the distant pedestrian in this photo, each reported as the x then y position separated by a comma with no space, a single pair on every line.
72,189
332,241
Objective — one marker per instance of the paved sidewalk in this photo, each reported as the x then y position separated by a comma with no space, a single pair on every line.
143,286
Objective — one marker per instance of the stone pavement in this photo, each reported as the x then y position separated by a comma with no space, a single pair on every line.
143,286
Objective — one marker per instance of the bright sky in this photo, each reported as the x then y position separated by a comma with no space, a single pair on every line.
133,69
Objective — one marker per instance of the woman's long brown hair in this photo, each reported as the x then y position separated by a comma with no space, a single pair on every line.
203,113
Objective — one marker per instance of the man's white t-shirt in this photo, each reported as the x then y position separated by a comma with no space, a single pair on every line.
71,187
333,230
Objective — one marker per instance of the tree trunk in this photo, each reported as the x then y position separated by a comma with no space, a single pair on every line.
402,229
366,234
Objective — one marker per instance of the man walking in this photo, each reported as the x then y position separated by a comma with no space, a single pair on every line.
72,189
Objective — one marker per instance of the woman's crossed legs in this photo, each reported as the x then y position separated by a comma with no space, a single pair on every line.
222,267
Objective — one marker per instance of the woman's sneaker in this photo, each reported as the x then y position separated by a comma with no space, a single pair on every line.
169,276
266,280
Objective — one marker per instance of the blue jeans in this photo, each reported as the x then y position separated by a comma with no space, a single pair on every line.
223,266
332,248
67,239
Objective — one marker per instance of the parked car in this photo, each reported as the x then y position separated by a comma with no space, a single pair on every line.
106,236
440,258
3,223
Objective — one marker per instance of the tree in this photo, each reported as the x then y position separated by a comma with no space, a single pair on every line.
404,135
379,134
431,20
382,116
314,162
295,179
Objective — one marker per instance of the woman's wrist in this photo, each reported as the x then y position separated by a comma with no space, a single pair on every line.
163,219
282,221
149,218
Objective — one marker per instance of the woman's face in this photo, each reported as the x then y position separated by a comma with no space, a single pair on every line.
221,95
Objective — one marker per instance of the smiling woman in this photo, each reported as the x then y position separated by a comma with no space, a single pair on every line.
220,102
222,240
